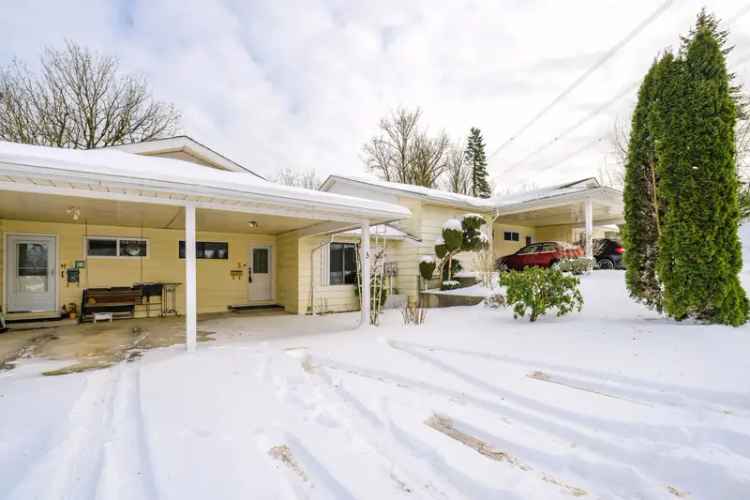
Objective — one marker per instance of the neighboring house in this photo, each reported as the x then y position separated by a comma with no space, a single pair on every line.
166,211
430,209
558,213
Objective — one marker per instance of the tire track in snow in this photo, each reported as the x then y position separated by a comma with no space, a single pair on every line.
126,470
71,468
323,404
373,431
310,478
626,461
735,442
447,426
630,388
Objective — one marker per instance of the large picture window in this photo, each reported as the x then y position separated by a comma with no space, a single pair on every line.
343,264
101,246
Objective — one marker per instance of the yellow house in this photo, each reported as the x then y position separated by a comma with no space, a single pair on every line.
208,233
572,212
429,209
175,216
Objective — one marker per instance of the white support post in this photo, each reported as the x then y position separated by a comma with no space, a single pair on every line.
191,300
365,260
589,218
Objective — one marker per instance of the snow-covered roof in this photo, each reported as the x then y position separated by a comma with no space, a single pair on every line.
100,166
433,195
573,191
183,143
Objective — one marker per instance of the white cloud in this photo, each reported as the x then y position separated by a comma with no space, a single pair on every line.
303,84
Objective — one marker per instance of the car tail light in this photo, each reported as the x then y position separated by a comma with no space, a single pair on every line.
619,250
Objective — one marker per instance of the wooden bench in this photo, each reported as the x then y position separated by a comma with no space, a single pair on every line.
119,301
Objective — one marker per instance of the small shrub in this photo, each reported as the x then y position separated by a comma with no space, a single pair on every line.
414,313
579,265
450,285
537,290
427,267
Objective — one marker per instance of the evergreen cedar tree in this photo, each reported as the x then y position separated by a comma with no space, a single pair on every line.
688,105
476,158
641,205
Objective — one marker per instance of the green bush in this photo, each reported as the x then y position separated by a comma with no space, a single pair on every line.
538,290
427,268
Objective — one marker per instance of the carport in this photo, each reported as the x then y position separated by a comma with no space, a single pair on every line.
57,194
582,204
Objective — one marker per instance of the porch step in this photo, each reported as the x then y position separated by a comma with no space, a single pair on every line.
255,307
16,325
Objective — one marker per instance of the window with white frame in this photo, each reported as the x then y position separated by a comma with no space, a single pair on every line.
342,264
511,236
103,246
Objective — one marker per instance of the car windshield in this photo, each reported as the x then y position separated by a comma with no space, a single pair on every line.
528,249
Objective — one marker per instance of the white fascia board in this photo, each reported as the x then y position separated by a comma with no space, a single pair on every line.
148,191
604,195
405,193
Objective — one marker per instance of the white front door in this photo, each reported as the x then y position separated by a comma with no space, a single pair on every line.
32,279
261,274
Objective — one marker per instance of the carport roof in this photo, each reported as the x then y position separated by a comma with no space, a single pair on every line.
161,179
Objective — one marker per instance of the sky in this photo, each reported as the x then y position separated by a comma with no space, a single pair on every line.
303,84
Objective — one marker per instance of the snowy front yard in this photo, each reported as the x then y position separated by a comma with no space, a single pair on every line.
613,402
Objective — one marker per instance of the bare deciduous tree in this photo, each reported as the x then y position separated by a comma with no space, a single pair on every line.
389,154
79,100
405,153
457,172
613,174
305,179
428,159
742,141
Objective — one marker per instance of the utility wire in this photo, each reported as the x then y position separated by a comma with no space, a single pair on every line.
627,90
599,63
578,151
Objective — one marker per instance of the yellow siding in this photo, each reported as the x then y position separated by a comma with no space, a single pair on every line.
432,219
502,247
328,298
288,272
555,233
216,288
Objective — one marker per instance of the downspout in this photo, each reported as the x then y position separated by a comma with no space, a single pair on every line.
312,273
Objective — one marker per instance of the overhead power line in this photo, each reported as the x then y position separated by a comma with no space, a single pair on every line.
627,90
578,151
599,63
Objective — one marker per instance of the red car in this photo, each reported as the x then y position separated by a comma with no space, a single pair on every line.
542,254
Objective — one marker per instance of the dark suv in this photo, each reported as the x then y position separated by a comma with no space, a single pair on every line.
608,254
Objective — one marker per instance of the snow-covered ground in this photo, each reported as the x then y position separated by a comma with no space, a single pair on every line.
614,402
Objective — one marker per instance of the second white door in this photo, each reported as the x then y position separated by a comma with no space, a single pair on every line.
260,274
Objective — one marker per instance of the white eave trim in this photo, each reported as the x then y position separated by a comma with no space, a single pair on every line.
134,189
405,193
602,194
